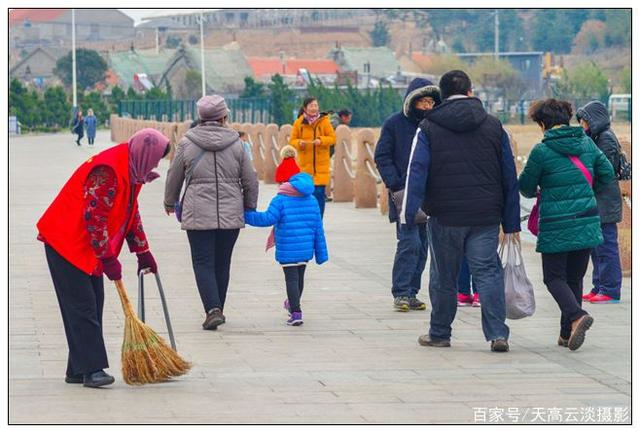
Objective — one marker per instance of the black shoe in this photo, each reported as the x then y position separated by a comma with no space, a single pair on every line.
425,340
416,304
78,378
97,379
78,142
214,319
499,345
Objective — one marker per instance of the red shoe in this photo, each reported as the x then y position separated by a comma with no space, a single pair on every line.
464,300
603,299
476,300
588,296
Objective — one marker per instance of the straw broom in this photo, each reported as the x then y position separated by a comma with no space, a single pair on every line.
146,357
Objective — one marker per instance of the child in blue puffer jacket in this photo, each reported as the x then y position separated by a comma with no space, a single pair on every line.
298,234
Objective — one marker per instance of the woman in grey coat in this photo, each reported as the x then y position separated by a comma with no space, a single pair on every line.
222,186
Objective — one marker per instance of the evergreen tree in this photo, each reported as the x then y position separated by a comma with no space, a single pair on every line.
253,89
56,108
90,68
282,101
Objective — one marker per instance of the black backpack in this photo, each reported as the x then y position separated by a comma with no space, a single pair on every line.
624,166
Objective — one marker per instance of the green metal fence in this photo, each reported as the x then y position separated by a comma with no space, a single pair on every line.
252,110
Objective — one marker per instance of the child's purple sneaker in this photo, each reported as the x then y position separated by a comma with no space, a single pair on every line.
295,319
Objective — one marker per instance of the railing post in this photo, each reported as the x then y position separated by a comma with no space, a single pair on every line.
272,152
365,189
343,165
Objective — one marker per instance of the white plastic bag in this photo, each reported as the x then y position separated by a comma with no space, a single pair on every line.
518,290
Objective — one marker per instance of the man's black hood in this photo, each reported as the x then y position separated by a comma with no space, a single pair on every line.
596,115
459,114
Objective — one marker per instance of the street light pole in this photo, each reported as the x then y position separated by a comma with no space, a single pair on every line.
496,35
73,59
202,80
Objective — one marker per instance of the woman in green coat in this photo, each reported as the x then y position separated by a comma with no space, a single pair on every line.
569,218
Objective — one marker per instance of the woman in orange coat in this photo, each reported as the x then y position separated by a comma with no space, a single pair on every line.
312,136
84,229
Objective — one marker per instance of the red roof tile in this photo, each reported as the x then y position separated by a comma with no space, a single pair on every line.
18,16
271,66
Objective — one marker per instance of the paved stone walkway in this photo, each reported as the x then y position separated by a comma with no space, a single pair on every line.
355,360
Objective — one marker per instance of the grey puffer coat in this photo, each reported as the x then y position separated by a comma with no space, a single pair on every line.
609,198
223,184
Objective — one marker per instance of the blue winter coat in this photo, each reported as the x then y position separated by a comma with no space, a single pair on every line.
394,145
91,123
298,225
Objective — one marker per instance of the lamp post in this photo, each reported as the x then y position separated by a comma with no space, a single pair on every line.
202,80
73,61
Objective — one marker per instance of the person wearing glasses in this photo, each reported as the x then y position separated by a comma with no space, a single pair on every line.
392,158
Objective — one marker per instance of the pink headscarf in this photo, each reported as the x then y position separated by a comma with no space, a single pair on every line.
146,149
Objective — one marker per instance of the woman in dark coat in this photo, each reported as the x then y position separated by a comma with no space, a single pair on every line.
607,270
78,126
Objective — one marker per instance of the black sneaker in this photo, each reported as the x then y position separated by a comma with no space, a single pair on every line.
416,304
401,303
425,340
499,345
78,378
97,379
213,319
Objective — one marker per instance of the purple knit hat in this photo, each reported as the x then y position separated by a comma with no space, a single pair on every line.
212,107
146,149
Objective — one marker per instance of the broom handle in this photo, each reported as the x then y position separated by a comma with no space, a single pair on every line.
126,303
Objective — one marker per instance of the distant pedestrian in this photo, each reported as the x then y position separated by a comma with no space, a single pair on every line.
78,126
342,117
84,229
565,169
246,145
91,124
312,136
462,171
222,186
298,234
392,159
607,269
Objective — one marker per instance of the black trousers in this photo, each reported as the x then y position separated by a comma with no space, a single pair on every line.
81,300
294,278
563,274
211,257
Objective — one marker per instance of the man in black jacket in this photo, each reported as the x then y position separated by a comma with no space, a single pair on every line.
607,270
462,173
392,158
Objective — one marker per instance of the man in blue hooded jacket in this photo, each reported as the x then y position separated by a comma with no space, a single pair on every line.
392,158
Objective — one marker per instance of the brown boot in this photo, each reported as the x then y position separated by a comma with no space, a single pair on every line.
564,342
213,319
579,328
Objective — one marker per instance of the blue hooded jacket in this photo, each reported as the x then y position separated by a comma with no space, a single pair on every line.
394,145
298,226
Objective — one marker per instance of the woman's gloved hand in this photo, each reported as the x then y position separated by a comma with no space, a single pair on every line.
112,268
146,261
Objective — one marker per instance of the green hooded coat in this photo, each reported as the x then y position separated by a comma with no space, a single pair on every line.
569,218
